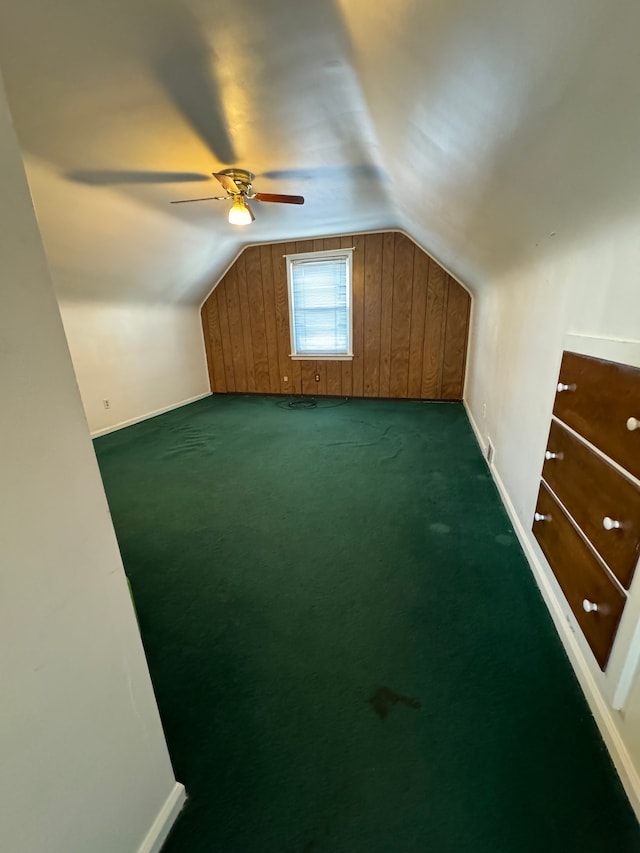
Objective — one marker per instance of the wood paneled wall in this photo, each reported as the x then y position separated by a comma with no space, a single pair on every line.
410,325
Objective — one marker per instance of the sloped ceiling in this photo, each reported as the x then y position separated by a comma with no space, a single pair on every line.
482,127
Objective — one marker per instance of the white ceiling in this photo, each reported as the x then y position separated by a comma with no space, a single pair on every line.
482,127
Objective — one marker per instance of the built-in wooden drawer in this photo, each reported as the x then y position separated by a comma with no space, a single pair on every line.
595,599
598,497
601,402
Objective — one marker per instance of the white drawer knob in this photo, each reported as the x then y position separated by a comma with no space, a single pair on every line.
589,606
562,387
538,516
633,424
610,523
549,455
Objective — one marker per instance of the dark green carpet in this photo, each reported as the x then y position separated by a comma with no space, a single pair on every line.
348,649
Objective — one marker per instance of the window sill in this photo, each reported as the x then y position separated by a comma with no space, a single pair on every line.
323,357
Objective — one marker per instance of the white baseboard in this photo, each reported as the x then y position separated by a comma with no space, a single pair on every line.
141,418
601,711
165,819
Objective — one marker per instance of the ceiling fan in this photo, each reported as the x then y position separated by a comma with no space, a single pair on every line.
238,186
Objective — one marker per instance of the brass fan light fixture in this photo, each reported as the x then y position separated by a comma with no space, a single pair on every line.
238,185
239,213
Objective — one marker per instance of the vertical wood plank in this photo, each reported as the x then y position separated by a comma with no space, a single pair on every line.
346,379
418,309
304,246
401,322
294,374
256,310
330,243
433,335
334,378
308,378
268,295
346,367
235,329
386,311
204,318
372,308
245,318
217,355
357,365
318,246
321,370
455,345
279,267
445,311
221,299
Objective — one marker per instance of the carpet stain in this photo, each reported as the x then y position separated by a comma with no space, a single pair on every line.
439,527
383,699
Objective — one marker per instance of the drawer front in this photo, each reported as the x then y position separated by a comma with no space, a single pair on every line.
598,403
580,576
592,490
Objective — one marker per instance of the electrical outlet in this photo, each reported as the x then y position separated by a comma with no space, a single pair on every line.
106,404
285,378
317,377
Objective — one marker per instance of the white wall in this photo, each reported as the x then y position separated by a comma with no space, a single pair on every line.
142,358
589,287
83,761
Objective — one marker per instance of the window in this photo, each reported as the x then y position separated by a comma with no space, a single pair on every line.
320,304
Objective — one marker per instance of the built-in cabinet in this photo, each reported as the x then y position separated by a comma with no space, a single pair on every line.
587,517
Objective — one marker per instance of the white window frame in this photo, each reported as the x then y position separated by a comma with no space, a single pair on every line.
329,254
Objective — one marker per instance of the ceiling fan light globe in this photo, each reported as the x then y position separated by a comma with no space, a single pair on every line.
239,214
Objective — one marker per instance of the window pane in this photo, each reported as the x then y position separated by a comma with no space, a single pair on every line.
320,306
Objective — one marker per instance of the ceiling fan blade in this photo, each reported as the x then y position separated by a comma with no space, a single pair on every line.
279,199
111,177
228,183
209,198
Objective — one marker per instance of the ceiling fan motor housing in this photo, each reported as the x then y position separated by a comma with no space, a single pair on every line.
241,178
